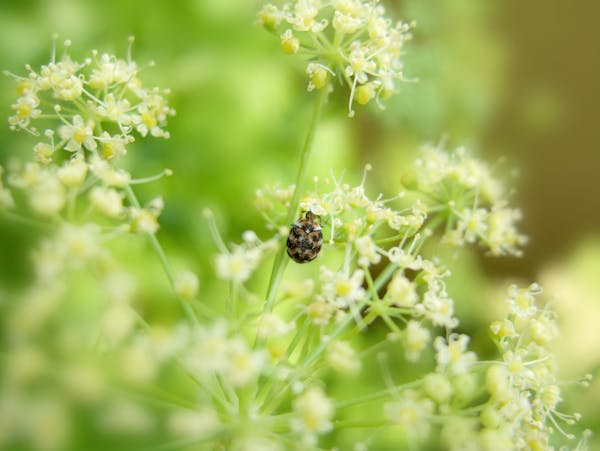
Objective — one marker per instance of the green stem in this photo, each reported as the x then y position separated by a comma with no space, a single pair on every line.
15,217
163,259
387,393
323,344
280,259
384,276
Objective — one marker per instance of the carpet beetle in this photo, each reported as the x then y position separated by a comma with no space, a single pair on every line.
305,239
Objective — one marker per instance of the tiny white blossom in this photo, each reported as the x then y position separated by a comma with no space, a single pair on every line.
401,291
367,250
48,196
414,337
109,175
77,134
411,413
72,174
243,364
342,357
522,300
238,265
452,354
341,289
314,412
186,285
437,387
107,200
271,326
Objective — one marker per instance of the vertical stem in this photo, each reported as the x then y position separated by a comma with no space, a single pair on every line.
280,261
163,259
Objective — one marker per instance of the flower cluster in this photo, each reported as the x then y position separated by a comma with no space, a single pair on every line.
351,40
239,263
475,203
245,371
108,99
524,388
89,112
78,305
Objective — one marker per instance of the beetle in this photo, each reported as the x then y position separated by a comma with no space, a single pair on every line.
305,239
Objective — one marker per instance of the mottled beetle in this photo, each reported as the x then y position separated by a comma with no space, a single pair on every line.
305,239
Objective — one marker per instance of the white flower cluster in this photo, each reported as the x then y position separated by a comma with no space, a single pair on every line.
77,307
374,231
475,202
89,112
523,409
240,263
106,90
352,40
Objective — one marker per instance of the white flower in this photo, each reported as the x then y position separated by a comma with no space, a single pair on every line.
25,110
473,223
244,364
314,412
543,329
48,196
43,152
152,113
414,337
320,312
186,285
437,387
143,220
238,265
72,174
115,110
289,43
108,201
109,175
341,289
497,381
271,326
401,291
342,357
453,354
77,134
109,71
410,413
522,300
113,146
503,237
367,250
439,308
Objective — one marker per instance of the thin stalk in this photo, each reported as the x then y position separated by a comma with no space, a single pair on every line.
281,261
163,259
387,393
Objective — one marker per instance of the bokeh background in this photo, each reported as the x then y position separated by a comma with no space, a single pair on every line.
516,82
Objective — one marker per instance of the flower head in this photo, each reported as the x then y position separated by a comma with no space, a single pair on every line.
351,40
314,412
452,354
475,200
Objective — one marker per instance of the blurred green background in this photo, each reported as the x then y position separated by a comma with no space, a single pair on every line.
513,80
